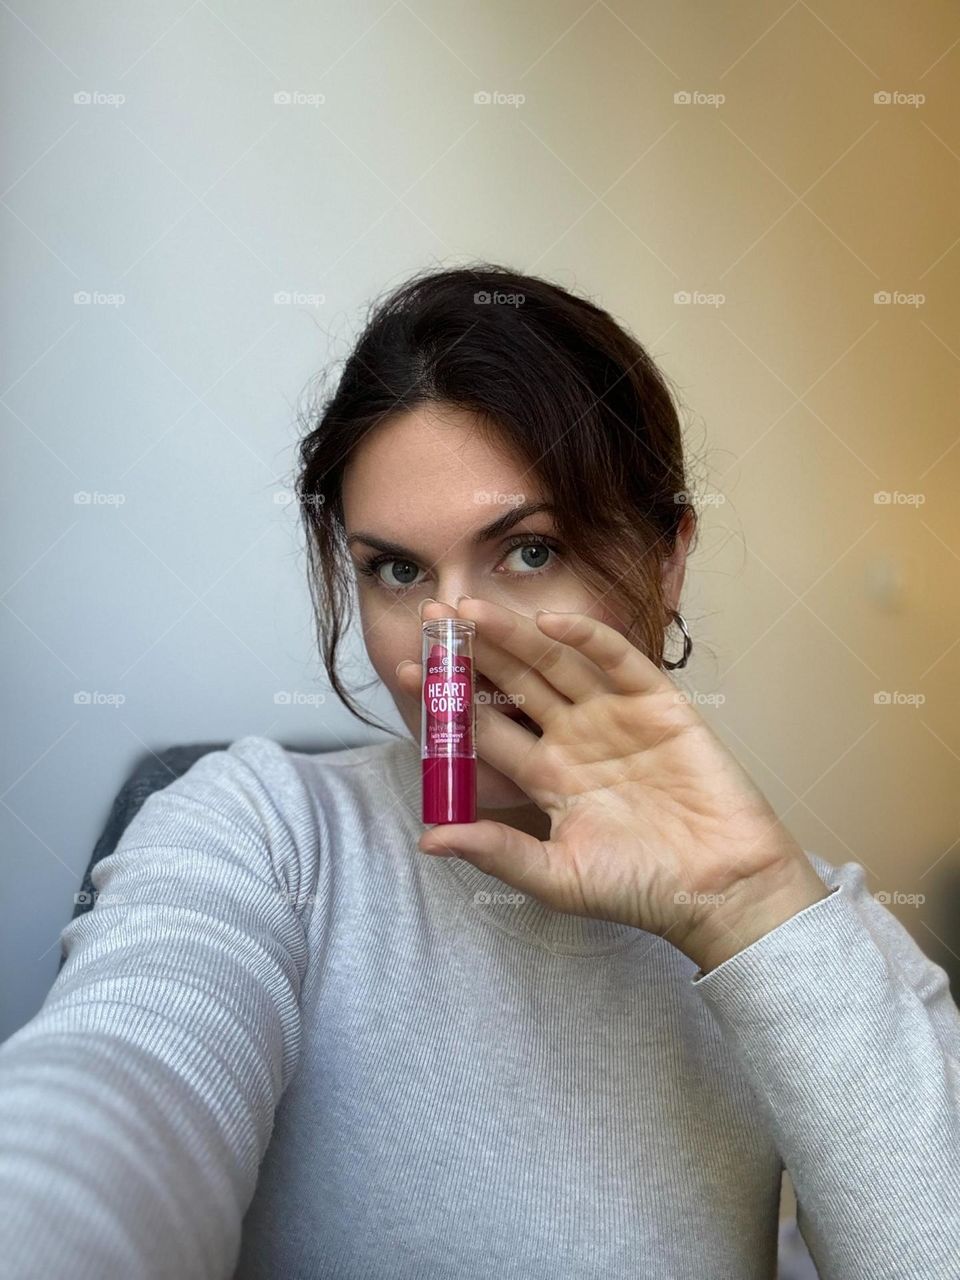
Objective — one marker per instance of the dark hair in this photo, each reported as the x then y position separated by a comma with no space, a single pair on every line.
553,376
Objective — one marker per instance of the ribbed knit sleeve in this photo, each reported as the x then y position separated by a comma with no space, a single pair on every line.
136,1105
848,1034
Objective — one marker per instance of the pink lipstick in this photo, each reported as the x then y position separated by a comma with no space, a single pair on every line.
448,750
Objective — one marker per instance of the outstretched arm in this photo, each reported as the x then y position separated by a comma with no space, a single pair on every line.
136,1106
848,1034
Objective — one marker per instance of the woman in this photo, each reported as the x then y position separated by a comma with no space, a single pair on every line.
300,1035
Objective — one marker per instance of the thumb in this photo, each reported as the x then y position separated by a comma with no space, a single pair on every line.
502,851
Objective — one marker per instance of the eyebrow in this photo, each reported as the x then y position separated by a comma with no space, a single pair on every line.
495,529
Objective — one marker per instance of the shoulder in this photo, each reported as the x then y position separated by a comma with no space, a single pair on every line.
255,768
322,797
252,826
266,753
252,781
239,811
368,777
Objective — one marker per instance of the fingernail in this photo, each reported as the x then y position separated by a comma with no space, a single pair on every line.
424,603
402,663
459,598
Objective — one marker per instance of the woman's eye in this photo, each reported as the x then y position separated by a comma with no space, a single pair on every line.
532,555
397,573
523,559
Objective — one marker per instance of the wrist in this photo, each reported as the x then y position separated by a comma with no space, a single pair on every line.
749,909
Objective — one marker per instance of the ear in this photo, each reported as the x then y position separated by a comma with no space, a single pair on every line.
674,566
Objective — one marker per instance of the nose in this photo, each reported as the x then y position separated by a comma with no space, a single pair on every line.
450,588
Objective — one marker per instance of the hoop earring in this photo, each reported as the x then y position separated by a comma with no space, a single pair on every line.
687,643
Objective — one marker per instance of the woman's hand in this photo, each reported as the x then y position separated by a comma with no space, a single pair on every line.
653,821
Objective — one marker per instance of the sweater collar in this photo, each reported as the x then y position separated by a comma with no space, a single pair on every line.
498,903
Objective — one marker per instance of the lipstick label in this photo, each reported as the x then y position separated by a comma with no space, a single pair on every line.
448,703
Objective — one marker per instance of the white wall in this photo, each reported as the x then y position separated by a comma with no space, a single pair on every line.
198,198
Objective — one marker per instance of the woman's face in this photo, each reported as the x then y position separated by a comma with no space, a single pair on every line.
419,495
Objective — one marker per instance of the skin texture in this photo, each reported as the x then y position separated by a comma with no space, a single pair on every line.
616,800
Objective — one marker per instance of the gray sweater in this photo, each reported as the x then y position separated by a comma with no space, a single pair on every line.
286,1044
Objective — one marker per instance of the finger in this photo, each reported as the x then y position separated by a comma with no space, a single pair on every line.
502,742
512,674
506,746
430,610
533,664
512,856
409,676
525,686
627,669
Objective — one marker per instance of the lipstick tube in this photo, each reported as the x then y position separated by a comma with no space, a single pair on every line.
448,720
